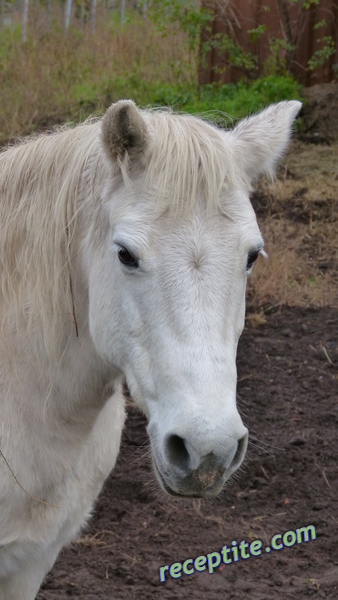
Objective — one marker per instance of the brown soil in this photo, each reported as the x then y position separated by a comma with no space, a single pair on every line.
288,381
320,113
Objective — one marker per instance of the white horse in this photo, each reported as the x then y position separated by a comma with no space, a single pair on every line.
125,245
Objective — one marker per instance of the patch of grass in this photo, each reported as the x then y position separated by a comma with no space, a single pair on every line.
236,100
289,276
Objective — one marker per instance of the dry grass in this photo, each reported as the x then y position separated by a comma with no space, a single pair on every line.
291,274
300,229
309,172
97,540
53,76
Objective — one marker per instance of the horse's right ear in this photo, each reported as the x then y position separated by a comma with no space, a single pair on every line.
124,131
259,141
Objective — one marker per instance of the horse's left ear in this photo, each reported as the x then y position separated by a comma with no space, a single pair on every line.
124,131
259,141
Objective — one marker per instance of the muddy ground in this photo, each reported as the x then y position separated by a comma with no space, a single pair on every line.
288,397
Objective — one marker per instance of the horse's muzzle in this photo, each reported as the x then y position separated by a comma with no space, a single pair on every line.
187,475
206,483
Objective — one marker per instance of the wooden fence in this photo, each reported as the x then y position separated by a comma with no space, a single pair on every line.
307,30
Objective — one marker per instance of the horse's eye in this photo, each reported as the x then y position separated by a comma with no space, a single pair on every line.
126,258
252,257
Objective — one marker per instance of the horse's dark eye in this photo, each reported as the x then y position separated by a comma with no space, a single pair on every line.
126,258
252,257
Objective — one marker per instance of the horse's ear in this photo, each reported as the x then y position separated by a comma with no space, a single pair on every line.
260,141
124,131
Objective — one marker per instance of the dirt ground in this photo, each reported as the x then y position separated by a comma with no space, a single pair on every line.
288,398
287,390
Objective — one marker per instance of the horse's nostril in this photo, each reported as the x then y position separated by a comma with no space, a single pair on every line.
181,455
177,452
240,452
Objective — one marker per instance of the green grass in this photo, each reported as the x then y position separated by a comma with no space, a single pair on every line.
230,101
220,103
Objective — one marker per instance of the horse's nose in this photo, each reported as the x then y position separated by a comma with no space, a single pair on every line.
183,456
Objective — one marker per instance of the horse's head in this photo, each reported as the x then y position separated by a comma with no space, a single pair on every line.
174,241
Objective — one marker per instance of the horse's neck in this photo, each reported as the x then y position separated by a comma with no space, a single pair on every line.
83,381
68,396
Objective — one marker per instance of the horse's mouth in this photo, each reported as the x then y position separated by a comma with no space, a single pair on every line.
203,491
168,489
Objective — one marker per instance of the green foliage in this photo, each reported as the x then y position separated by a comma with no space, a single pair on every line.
188,15
256,33
305,3
236,100
320,56
320,24
233,55
277,62
190,18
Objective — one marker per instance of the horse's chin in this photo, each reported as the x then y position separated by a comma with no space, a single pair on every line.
186,491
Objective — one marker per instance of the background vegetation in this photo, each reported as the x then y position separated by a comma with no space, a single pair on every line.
65,59
150,52
67,70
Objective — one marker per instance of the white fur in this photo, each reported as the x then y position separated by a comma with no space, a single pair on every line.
75,322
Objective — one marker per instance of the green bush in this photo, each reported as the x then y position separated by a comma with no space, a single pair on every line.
235,100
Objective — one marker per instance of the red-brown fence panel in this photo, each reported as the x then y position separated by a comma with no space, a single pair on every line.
290,36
